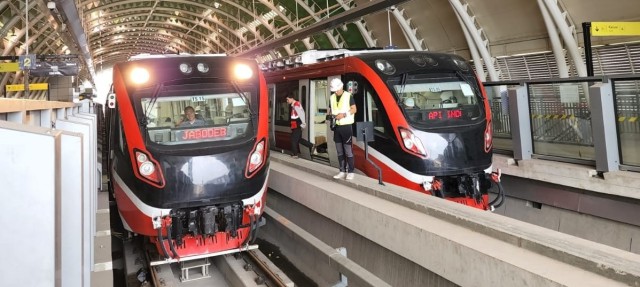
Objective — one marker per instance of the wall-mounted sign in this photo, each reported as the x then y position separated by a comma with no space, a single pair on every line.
9,67
53,69
32,87
615,28
27,62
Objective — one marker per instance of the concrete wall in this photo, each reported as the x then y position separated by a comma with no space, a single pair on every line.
615,234
389,266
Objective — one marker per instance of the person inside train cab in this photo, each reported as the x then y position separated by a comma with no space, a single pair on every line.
448,100
191,120
409,103
343,107
298,123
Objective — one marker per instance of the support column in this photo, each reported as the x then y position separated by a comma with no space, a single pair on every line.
603,124
520,118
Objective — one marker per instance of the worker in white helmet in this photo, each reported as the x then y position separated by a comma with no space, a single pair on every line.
343,107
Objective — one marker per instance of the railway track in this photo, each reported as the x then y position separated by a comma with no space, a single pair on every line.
246,268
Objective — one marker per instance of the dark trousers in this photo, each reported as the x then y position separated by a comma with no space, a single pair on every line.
296,140
343,136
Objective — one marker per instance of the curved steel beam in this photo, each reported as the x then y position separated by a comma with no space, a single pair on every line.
362,27
408,31
567,35
74,24
556,45
107,47
192,3
105,37
348,16
476,34
183,33
215,20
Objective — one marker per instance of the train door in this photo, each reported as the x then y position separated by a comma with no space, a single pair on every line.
305,101
281,117
318,110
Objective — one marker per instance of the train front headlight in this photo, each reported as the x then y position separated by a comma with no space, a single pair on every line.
242,72
148,168
412,143
488,137
256,158
139,75
202,67
186,68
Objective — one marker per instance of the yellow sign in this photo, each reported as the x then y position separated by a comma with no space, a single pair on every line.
9,67
32,87
615,28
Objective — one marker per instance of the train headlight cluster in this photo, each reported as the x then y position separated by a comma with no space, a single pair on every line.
202,67
463,65
412,142
488,137
256,158
139,75
385,67
148,169
242,72
422,60
186,68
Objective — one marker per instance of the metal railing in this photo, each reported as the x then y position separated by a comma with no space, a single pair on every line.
561,123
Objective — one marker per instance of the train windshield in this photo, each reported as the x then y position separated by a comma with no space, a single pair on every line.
438,100
185,114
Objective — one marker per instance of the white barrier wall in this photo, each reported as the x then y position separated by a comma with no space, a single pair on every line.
88,191
70,206
49,179
29,158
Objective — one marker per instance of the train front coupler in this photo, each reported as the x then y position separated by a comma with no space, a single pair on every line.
495,177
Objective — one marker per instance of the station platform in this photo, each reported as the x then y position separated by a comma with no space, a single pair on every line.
434,239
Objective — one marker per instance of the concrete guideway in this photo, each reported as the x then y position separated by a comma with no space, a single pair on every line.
466,246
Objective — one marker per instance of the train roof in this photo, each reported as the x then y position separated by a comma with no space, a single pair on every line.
161,56
406,58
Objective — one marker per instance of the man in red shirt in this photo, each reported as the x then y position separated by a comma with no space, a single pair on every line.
297,124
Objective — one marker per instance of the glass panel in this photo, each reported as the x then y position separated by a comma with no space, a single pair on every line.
437,100
561,120
191,116
375,115
627,110
283,90
500,117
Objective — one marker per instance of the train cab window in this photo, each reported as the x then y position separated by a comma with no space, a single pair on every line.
185,116
436,100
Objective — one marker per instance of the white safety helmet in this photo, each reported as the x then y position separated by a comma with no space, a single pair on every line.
446,95
336,84
409,102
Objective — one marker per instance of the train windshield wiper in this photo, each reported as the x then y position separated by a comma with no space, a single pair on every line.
145,118
244,98
403,83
